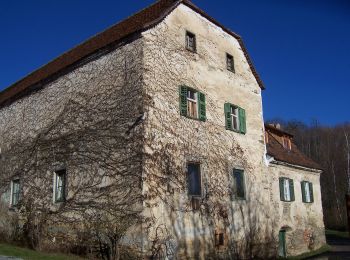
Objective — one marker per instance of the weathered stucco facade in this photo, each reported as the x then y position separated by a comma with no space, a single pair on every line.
113,120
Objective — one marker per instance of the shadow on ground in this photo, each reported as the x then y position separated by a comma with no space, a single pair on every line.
340,248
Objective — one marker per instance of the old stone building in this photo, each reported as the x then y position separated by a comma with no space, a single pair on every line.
154,130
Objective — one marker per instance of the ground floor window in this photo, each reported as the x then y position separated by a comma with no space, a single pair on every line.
60,186
238,189
15,192
194,180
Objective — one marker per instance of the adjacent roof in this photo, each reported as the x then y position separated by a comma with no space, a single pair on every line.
137,23
277,131
293,156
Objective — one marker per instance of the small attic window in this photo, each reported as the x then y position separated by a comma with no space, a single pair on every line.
287,144
230,63
190,41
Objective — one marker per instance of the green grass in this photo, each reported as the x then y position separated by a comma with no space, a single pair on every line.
343,234
28,254
319,251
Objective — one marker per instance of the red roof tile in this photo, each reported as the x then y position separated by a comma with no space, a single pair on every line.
139,22
294,156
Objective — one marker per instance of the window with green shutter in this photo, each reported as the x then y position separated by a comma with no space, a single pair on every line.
286,186
307,192
192,103
235,118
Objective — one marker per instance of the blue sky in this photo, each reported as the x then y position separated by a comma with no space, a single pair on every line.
301,48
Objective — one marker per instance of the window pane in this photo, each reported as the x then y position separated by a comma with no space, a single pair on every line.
194,179
239,183
229,62
60,185
192,106
15,192
191,94
190,41
307,192
286,190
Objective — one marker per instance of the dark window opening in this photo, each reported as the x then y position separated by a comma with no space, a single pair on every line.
230,63
219,239
190,41
194,179
239,185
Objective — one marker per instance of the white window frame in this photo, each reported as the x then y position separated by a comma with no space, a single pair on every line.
195,101
286,190
307,192
55,187
235,118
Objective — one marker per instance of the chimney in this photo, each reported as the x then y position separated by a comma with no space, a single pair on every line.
277,125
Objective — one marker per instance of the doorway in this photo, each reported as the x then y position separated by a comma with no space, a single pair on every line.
282,243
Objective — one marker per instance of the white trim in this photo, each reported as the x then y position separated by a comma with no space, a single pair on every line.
54,188
286,189
11,190
294,166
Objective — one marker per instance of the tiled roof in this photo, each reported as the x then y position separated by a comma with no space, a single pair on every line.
294,156
137,23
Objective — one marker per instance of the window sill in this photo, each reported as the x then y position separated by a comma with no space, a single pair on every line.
59,201
192,51
195,118
235,131
238,199
288,201
13,207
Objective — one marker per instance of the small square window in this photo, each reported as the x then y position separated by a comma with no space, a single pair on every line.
15,192
60,186
230,63
219,239
194,180
190,41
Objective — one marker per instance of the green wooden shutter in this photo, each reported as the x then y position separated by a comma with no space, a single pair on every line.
281,181
242,121
291,190
311,192
183,100
201,107
228,119
303,191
